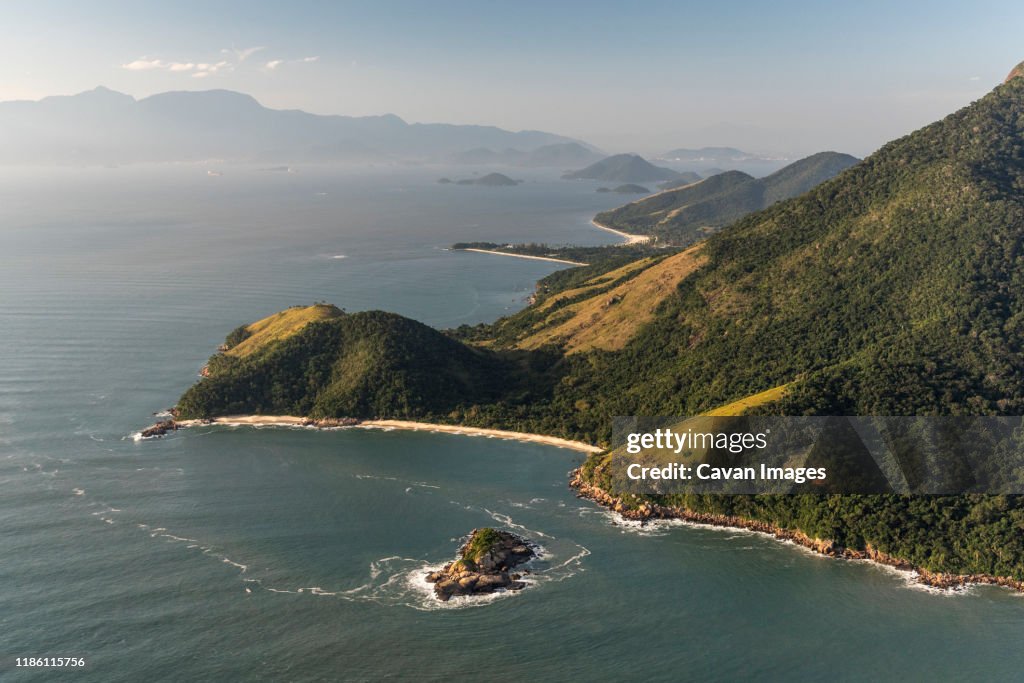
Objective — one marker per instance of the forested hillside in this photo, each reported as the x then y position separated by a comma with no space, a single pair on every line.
687,214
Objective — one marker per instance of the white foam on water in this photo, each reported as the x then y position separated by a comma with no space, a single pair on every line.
241,567
660,527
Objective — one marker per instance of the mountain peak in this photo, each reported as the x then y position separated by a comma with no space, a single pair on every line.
98,94
623,168
1017,72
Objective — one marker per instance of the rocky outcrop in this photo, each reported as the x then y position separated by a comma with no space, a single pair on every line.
159,429
165,426
484,565
643,510
329,422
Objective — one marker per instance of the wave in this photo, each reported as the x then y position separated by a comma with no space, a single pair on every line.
661,527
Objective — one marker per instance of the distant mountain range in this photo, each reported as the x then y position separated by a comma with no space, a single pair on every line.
623,168
102,126
686,214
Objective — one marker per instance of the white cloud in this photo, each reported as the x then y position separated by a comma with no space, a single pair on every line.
198,70
234,58
145,64
204,70
274,63
247,52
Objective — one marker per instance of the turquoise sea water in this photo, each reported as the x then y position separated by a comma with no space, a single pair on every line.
288,554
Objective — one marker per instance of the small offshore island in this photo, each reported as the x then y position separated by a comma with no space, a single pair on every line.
483,565
489,180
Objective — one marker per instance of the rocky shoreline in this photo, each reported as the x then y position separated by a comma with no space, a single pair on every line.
484,565
171,425
647,511
161,428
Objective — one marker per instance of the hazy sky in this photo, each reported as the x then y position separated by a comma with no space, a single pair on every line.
785,76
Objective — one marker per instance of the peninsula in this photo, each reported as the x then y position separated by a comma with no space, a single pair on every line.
891,289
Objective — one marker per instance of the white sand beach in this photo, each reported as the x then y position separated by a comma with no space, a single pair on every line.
630,239
294,421
535,258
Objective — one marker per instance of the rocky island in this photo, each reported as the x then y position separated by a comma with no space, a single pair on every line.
490,180
483,565
629,188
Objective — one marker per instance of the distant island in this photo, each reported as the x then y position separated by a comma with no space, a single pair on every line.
489,180
625,189
623,168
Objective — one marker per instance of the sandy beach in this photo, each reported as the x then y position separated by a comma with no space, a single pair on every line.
630,239
294,421
535,258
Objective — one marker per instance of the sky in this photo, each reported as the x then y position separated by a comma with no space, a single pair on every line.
787,77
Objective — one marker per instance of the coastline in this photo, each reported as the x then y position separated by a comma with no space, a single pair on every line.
404,425
630,239
535,258
648,512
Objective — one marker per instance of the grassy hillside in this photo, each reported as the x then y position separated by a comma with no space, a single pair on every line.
682,216
371,364
249,339
609,319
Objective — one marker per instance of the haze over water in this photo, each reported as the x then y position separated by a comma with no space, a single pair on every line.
232,554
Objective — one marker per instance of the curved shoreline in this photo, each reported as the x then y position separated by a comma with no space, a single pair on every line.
405,425
649,511
535,258
630,238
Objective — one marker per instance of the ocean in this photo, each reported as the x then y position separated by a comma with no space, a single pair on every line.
234,554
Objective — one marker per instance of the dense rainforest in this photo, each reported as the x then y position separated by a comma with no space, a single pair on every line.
893,289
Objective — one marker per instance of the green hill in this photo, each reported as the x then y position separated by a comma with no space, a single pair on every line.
367,364
893,289
682,216
623,168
